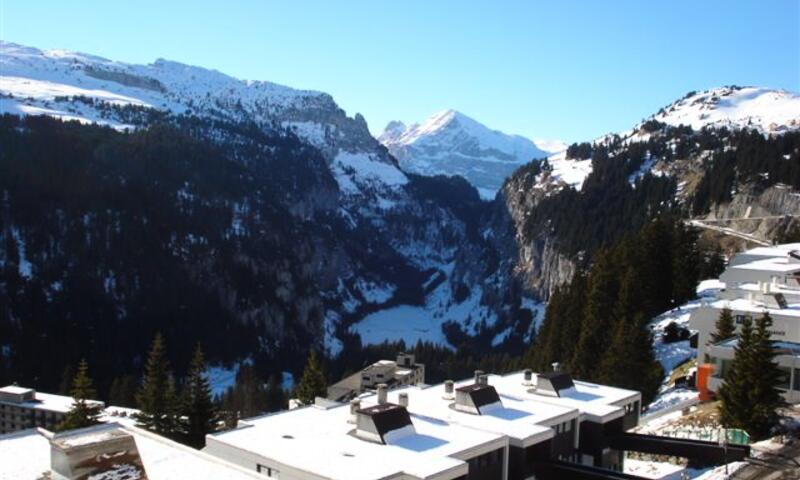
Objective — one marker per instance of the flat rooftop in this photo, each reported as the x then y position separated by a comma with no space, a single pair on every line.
524,422
25,455
321,442
773,251
756,308
43,401
771,264
598,403
783,348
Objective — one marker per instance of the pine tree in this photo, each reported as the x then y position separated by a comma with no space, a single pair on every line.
597,325
767,398
248,397
82,414
734,394
725,327
631,347
312,383
749,396
199,414
276,398
157,399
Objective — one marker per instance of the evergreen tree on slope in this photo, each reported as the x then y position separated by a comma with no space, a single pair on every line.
199,414
157,398
725,327
312,383
82,414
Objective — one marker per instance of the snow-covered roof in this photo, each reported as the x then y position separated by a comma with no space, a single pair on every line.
524,422
784,348
15,390
750,306
43,401
771,264
600,403
773,251
26,456
321,442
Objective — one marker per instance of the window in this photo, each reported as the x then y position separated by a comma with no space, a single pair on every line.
786,374
268,471
740,319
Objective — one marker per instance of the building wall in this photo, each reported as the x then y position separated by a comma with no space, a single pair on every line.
254,462
15,417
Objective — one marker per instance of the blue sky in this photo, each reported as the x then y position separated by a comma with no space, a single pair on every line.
559,69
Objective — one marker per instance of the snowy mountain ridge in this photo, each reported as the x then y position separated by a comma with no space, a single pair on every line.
451,143
77,86
769,111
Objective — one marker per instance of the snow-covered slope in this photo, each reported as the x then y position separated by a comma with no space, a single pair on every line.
451,143
768,110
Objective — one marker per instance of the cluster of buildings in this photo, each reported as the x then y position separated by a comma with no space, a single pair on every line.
764,279
403,371
384,423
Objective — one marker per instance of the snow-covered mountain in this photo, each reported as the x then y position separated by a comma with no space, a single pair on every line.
365,238
77,86
451,143
769,111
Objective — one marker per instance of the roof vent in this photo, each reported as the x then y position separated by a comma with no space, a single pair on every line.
449,389
355,406
403,399
556,366
527,377
383,423
478,398
554,384
382,393
478,374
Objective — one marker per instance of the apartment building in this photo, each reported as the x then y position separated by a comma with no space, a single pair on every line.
402,371
23,408
764,279
488,427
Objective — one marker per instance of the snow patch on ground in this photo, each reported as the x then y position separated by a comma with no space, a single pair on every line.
569,171
413,323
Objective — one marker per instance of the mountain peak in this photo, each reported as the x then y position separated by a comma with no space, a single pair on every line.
451,143
764,109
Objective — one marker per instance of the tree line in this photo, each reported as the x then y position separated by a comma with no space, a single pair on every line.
597,325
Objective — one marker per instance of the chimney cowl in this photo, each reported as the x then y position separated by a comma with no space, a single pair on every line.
527,376
382,393
449,390
556,367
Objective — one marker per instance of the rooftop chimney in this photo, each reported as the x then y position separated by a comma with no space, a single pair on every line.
449,389
355,406
527,378
556,367
101,451
483,380
403,399
382,393
478,374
